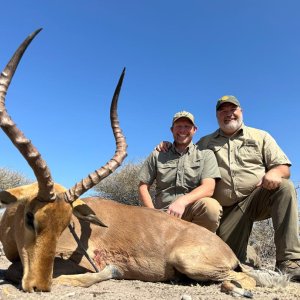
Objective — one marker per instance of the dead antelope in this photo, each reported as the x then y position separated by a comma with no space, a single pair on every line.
51,236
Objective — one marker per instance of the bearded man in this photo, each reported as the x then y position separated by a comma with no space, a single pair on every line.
254,186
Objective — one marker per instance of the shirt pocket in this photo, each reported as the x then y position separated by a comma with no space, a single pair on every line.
166,174
193,173
249,154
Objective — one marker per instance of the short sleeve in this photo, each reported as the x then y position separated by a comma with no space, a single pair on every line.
210,168
147,172
273,154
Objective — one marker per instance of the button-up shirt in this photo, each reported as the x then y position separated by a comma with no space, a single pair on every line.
177,174
243,160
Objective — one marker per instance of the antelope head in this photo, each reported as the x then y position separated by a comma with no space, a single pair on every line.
43,209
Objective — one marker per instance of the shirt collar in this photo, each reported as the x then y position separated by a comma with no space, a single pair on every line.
219,132
189,148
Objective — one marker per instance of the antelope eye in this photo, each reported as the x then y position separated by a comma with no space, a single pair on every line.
29,218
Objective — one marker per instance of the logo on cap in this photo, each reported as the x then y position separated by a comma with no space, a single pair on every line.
227,99
183,114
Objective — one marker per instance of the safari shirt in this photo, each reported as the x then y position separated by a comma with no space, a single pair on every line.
243,160
177,174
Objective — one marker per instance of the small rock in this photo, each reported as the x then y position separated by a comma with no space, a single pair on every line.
186,297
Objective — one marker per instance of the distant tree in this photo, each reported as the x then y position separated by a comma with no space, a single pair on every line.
10,179
122,186
297,187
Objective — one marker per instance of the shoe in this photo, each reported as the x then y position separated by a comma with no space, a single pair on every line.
289,267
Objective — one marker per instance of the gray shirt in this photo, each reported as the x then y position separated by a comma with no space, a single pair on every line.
177,174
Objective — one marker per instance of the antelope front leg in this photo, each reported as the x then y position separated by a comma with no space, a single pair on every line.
88,279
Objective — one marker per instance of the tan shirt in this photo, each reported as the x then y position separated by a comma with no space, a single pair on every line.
177,174
243,160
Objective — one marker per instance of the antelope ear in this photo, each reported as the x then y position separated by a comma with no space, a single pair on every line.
83,212
20,193
7,198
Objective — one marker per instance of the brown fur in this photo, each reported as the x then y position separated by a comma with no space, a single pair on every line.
139,243
35,247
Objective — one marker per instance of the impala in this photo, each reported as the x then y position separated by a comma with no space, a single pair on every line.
51,236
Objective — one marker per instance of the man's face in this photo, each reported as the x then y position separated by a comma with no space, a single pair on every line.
183,131
230,117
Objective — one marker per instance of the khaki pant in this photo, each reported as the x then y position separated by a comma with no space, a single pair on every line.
205,212
280,205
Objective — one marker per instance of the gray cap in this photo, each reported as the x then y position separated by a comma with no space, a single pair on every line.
227,99
183,114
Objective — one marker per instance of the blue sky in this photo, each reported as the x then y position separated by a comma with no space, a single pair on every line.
179,55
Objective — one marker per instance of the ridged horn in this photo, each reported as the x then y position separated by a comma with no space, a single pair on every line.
24,145
120,154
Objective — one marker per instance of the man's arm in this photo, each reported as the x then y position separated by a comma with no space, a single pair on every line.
273,177
163,146
277,164
144,195
206,189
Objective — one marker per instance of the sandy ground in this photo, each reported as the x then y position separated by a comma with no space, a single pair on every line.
134,289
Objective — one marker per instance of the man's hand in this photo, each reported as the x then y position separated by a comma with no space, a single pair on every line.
163,146
270,181
273,178
177,208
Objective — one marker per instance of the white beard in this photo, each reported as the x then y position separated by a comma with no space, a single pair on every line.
232,126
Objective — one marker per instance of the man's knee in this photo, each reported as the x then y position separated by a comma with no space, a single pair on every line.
207,212
287,186
213,207
286,191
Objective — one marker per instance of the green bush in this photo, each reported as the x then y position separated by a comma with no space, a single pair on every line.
122,186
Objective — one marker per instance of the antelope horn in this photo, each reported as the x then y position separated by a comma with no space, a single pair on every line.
95,177
24,145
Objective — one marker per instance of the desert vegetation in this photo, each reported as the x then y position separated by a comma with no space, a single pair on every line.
11,179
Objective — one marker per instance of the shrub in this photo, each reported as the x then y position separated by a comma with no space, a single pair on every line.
122,186
10,179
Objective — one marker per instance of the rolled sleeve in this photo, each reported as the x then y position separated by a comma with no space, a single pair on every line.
147,172
273,154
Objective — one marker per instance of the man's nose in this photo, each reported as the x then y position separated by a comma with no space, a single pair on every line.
228,113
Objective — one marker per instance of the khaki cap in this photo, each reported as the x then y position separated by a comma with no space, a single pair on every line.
183,114
227,99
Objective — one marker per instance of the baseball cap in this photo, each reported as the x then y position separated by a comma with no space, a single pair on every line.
227,99
183,114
